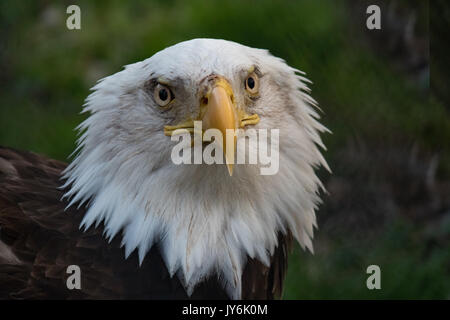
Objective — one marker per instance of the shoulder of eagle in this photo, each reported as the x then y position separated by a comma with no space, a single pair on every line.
39,240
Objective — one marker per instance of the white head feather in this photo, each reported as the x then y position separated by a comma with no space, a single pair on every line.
204,221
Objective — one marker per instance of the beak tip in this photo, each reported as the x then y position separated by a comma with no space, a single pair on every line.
230,169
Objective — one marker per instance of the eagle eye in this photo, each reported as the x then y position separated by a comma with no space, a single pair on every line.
252,83
162,95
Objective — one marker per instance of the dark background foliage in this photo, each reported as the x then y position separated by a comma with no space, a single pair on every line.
388,200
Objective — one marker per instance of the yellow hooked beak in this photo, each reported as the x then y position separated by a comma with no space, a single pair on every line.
219,112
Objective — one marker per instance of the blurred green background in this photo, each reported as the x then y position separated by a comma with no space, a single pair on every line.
388,201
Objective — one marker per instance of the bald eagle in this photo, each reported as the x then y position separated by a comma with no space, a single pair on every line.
138,225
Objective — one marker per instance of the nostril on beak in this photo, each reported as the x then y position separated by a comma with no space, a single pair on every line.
204,101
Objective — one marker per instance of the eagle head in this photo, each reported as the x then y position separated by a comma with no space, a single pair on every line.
206,219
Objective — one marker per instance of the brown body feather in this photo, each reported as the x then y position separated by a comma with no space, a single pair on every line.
39,240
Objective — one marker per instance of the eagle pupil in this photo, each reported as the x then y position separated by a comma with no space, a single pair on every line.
251,83
163,94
